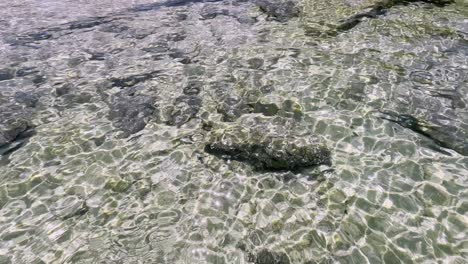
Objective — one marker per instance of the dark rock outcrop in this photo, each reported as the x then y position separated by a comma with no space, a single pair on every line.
266,149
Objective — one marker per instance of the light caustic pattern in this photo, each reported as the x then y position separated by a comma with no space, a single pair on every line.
94,184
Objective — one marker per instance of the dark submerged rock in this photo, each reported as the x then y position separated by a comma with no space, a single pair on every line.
27,99
193,88
129,112
63,90
6,74
444,136
335,17
278,10
267,149
210,12
267,109
233,107
26,71
38,79
132,80
88,23
185,107
267,257
12,125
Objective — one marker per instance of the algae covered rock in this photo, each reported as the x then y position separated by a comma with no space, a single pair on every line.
270,146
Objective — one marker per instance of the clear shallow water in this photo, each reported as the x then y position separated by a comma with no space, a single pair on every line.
76,191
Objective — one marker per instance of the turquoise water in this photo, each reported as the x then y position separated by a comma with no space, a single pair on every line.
112,167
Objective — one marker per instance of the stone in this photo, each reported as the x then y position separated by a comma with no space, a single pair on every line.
185,107
87,23
11,127
129,112
275,105
255,63
22,72
63,89
192,88
268,145
278,10
267,109
330,17
210,12
265,256
129,81
6,74
443,135
27,99
233,107
38,79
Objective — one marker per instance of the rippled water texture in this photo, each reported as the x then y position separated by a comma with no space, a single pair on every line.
107,106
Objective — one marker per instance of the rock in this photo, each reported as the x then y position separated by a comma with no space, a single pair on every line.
267,257
245,19
177,36
180,56
6,74
114,28
63,90
29,38
329,17
192,88
132,80
255,63
78,98
278,10
266,108
275,105
87,23
129,112
445,136
233,107
38,79
27,99
69,206
181,17
11,127
268,145
26,71
185,107
210,12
